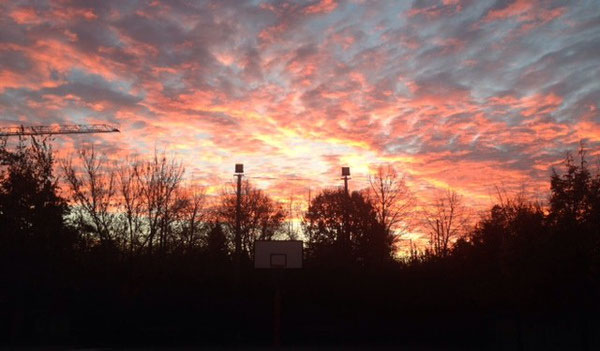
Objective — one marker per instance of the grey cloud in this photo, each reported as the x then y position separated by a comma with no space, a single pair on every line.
138,124
90,88
93,93
15,60
91,35
11,32
217,118
439,84
145,30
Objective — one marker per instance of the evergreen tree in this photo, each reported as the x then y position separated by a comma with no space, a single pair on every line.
216,246
574,194
31,211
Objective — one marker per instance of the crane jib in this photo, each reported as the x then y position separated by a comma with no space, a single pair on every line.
57,129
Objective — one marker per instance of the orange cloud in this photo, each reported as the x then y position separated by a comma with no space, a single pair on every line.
25,15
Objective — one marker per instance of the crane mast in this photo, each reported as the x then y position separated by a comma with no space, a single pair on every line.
57,129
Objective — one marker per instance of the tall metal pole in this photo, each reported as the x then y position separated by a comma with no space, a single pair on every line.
346,184
239,172
345,177
346,234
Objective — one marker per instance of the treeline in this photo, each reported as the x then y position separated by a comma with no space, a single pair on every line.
141,207
100,253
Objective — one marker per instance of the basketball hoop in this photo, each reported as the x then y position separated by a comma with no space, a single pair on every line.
278,254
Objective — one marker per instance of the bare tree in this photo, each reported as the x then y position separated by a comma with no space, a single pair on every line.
93,189
192,218
293,209
392,199
511,205
444,221
137,205
159,180
132,208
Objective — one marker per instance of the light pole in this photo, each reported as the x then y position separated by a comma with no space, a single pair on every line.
239,173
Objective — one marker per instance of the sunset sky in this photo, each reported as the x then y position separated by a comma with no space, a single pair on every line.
461,94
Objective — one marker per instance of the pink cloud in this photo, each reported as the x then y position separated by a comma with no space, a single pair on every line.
529,105
323,6
529,12
25,15
521,9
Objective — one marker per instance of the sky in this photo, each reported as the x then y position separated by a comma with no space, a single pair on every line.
462,94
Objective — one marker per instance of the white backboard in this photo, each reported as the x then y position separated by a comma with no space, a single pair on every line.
282,254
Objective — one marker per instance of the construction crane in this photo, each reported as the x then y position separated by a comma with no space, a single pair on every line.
58,129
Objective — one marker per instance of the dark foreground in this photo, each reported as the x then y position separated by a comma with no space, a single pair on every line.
429,308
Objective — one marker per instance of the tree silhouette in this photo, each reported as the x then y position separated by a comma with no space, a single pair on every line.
510,233
574,219
217,246
444,220
261,218
345,229
30,208
575,195
192,219
159,181
391,198
36,248
132,213
137,204
93,191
